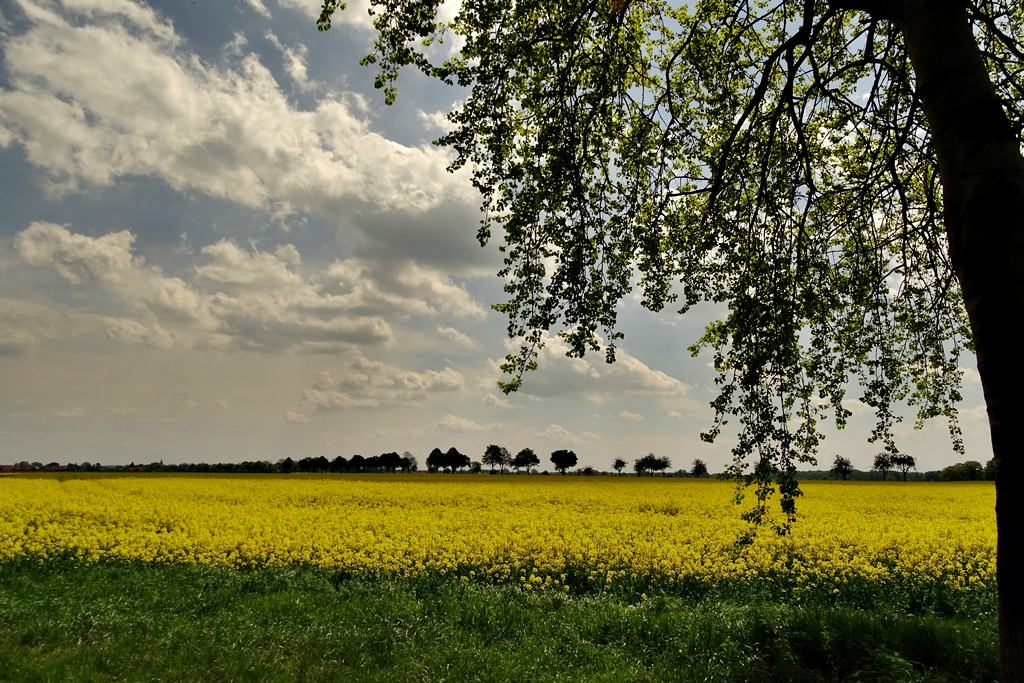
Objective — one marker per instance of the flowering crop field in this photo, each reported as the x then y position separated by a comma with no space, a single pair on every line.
545,533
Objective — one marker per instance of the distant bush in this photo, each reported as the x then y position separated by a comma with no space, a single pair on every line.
963,471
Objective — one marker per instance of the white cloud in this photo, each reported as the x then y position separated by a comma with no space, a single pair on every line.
496,401
122,411
222,404
294,418
674,414
373,384
258,7
561,434
591,379
437,120
99,91
460,425
632,417
70,412
294,62
241,298
453,335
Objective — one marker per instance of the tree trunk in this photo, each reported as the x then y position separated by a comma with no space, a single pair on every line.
982,175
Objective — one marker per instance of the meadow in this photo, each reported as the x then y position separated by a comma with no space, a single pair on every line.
644,567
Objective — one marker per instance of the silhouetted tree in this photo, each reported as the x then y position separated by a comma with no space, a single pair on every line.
661,464
389,461
618,465
410,464
435,461
699,468
563,460
496,456
903,463
525,458
455,460
339,465
842,466
356,463
883,463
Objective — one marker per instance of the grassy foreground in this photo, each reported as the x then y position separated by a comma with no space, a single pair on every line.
60,622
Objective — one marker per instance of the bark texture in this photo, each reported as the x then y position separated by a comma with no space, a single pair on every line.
982,175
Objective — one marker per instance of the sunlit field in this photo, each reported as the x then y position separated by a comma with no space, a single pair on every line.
578,534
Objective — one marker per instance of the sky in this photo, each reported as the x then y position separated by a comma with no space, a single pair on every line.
218,244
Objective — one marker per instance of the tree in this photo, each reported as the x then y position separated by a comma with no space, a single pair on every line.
664,462
356,463
640,466
903,463
563,460
410,464
699,468
435,461
496,456
455,460
339,464
389,461
842,466
525,458
751,171
619,465
963,471
287,466
883,463
991,468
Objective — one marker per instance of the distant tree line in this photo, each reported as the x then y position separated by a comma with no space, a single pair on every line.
498,459
883,463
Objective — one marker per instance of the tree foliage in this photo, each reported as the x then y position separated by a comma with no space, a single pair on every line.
882,463
963,471
698,468
904,463
775,158
563,459
525,458
842,466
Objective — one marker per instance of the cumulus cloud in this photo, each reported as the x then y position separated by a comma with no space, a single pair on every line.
453,335
373,384
99,91
294,418
496,401
591,379
242,298
562,435
460,425
632,417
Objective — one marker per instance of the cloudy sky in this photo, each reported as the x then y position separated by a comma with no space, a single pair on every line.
217,243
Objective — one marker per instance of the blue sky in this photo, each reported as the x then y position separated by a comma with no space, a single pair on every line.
217,243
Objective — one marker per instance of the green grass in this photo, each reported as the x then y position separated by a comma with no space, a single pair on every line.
59,622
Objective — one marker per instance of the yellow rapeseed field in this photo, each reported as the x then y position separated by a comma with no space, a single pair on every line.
543,532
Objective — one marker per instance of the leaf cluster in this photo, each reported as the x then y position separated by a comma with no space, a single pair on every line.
768,156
